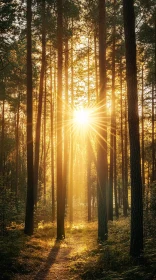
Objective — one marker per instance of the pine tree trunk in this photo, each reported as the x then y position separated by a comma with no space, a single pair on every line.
96,64
136,245
122,148
113,127
71,140
126,156
45,144
29,217
142,134
153,138
66,122
102,172
60,190
88,148
52,139
38,124
2,143
17,147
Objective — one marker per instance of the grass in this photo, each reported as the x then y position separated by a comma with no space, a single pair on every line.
111,260
22,256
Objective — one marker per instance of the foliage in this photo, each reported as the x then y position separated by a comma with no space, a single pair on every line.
27,256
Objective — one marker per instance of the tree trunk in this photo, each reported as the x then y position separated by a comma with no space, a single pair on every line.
60,191
38,124
88,148
17,147
71,139
153,131
136,245
66,122
52,140
45,144
142,134
126,156
113,127
102,172
122,149
29,217
2,143
96,64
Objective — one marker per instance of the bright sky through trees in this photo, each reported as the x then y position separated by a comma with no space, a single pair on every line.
82,117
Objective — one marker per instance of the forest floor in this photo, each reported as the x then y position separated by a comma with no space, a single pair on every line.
77,257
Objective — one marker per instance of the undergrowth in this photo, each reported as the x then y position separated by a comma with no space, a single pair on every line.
110,260
21,256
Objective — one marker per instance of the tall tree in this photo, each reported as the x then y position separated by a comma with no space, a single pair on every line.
113,124
142,128
102,171
52,137
136,244
38,124
88,146
153,137
123,151
71,137
66,117
60,190
29,218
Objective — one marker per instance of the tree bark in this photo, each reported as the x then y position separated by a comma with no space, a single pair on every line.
113,127
153,140
142,134
52,139
88,147
29,217
38,124
66,123
45,144
136,244
60,191
71,140
102,172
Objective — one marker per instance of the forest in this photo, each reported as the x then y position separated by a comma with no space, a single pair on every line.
77,139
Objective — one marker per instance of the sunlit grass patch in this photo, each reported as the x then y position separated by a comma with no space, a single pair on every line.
21,254
110,259
98,260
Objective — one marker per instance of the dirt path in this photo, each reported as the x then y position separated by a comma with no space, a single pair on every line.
57,264
62,257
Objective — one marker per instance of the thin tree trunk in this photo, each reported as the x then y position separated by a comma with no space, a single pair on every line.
52,139
153,131
66,121
88,148
2,143
142,125
17,151
17,146
38,124
96,64
122,149
126,156
102,167
60,190
113,121
71,140
115,177
45,116
29,217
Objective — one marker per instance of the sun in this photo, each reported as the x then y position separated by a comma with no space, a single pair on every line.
82,117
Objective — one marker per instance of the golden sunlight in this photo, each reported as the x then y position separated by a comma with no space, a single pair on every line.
81,117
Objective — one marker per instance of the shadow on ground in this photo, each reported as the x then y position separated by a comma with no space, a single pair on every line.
42,273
